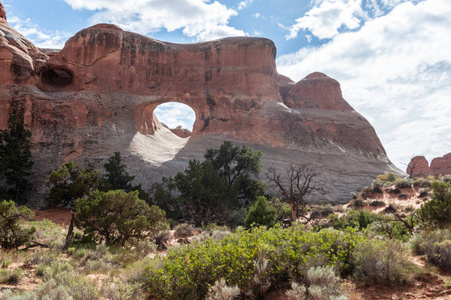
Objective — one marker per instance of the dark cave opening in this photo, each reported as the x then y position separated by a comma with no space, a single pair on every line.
56,77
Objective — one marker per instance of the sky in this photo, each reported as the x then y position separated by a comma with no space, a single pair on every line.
391,57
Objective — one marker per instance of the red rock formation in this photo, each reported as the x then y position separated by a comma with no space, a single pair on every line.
181,132
2,13
441,165
98,93
317,91
419,166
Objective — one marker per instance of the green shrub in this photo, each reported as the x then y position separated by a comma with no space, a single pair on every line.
261,214
12,235
221,291
381,262
422,182
283,210
393,228
49,290
187,272
437,212
403,183
117,216
49,233
359,219
6,263
436,245
40,271
121,289
389,177
79,286
10,276
183,230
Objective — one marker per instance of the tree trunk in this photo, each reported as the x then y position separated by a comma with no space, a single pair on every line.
294,212
70,232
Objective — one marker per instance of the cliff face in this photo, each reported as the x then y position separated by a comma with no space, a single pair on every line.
98,94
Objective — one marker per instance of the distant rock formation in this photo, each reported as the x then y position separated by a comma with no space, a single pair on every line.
181,132
97,95
419,166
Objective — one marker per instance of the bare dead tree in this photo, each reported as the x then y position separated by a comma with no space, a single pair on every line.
413,166
294,184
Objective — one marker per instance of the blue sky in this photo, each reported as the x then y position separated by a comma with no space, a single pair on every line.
392,57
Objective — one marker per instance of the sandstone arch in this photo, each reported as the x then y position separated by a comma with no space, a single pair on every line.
145,117
97,94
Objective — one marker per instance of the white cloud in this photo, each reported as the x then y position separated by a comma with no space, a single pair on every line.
40,38
201,19
396,71
327,17
256,15
244,4
174,114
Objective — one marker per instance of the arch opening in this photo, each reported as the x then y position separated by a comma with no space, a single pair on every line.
164,129
177,117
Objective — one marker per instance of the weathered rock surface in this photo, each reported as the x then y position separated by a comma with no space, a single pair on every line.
419,166
98,94
181,132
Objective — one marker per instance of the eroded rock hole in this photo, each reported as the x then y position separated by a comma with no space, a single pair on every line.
177,117
56,77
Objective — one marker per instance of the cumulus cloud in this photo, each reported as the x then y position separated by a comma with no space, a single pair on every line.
200,19
327,17
396,71
40,38
175,114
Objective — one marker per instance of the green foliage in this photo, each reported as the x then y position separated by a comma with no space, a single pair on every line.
214,191
187,272
183,230
50,290
121,289
260,213
393,228
118,216
389,177
436,245
403,183
12,235
437,212
70,183
359,219
49,233
238,166
283,210
15,159
78,286
10,276
381,262
117,177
